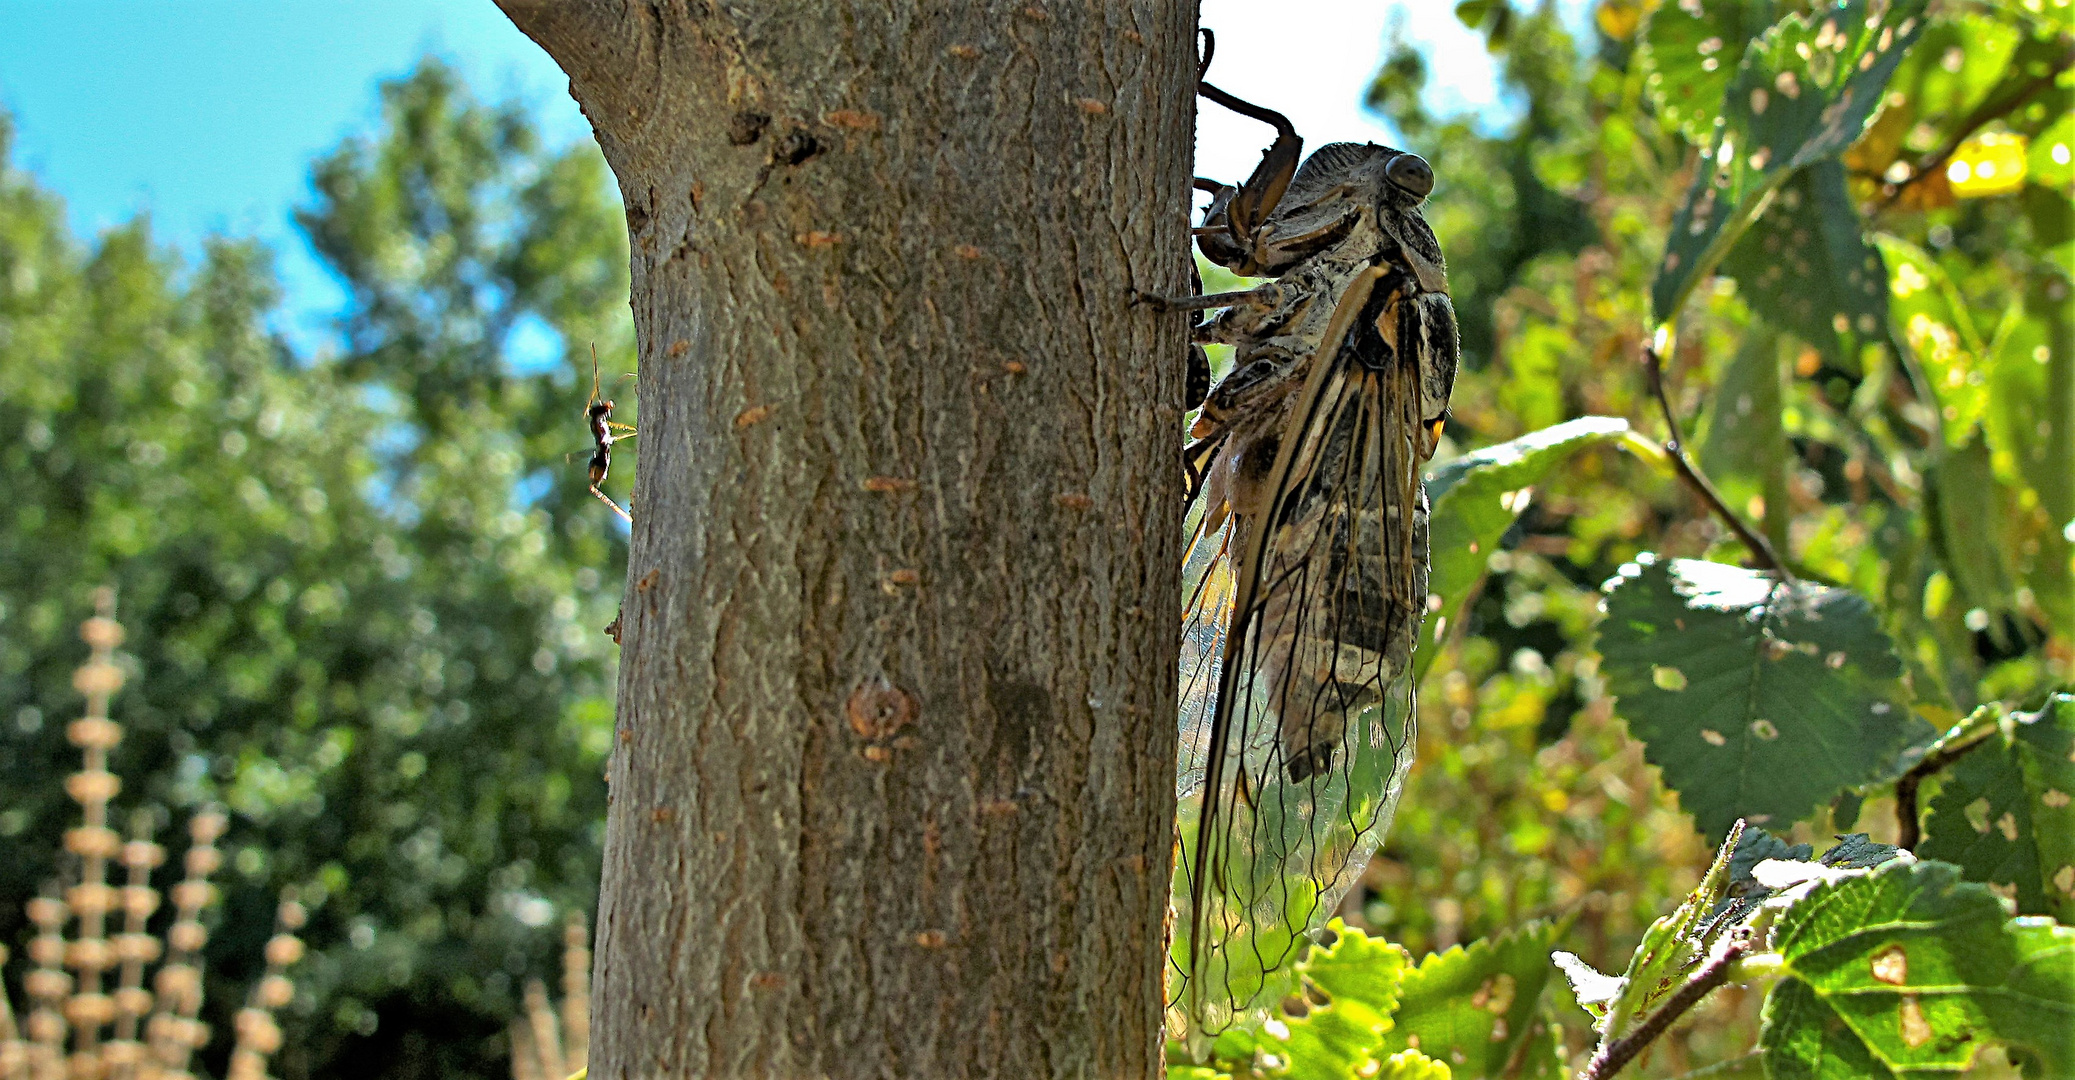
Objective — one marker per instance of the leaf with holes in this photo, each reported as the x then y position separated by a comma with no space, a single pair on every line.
1908,971
2003,812
1476,499
1479,1008
1690,51
2046,741
1806,267
1804,91
1758,698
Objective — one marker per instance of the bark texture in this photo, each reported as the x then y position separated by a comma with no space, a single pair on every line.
894,786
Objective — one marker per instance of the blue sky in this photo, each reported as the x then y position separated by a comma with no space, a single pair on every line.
207,113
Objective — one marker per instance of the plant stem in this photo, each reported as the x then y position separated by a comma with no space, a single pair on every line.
1907,830
1674,447
1611,1056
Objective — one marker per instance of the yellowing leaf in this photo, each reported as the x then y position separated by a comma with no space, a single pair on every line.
1992,163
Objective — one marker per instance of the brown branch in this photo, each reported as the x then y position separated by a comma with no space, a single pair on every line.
1611,1056
1907,829
1674,447
1981,116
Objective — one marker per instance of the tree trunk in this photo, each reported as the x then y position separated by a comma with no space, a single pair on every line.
893,792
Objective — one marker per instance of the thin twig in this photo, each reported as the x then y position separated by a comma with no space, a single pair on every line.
1674,447
1907,829
1974,121
1611,1056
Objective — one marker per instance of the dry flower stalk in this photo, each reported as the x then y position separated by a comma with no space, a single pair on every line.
102,1022
546,1046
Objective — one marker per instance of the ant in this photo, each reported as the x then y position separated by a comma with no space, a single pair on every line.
605,431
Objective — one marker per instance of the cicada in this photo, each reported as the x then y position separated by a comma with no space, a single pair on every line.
1306,579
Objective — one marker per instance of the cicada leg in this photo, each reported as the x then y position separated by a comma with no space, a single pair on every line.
1240,213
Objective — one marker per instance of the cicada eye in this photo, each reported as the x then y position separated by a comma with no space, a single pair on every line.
1412,173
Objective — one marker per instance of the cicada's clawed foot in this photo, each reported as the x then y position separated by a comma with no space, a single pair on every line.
1269,294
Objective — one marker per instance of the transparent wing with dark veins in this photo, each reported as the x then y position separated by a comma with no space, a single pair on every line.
1296,727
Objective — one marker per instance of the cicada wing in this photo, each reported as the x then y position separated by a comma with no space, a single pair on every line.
1304,746
1207,586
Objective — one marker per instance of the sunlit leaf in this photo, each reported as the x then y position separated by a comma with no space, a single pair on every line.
2032,434
1907,971
1804,91
1992,163
1334,1023
1618,18
1474,1007
1689,54
2051,159
1930,318
1758,698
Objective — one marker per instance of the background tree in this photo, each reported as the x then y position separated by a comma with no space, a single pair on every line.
367,587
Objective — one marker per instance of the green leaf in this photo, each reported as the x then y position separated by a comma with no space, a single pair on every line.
2031,425
2045,741
1856,851
1468,516
1359,979
1477,1007
2003,814
1968,529
1744,436
1757,698
1409,1065
1802,1039
1981,821
2051,160
1744,893
1908,970
1859,851
1806,266
1928,316
1957,63
1803,92
1690,51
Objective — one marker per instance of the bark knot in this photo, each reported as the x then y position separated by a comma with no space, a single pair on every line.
878,709
745,128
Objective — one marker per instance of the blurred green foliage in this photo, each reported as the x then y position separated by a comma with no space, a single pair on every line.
364,591
1910,444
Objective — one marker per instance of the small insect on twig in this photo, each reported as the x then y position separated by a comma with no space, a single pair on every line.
605,431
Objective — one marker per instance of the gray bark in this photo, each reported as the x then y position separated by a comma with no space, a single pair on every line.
893,791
